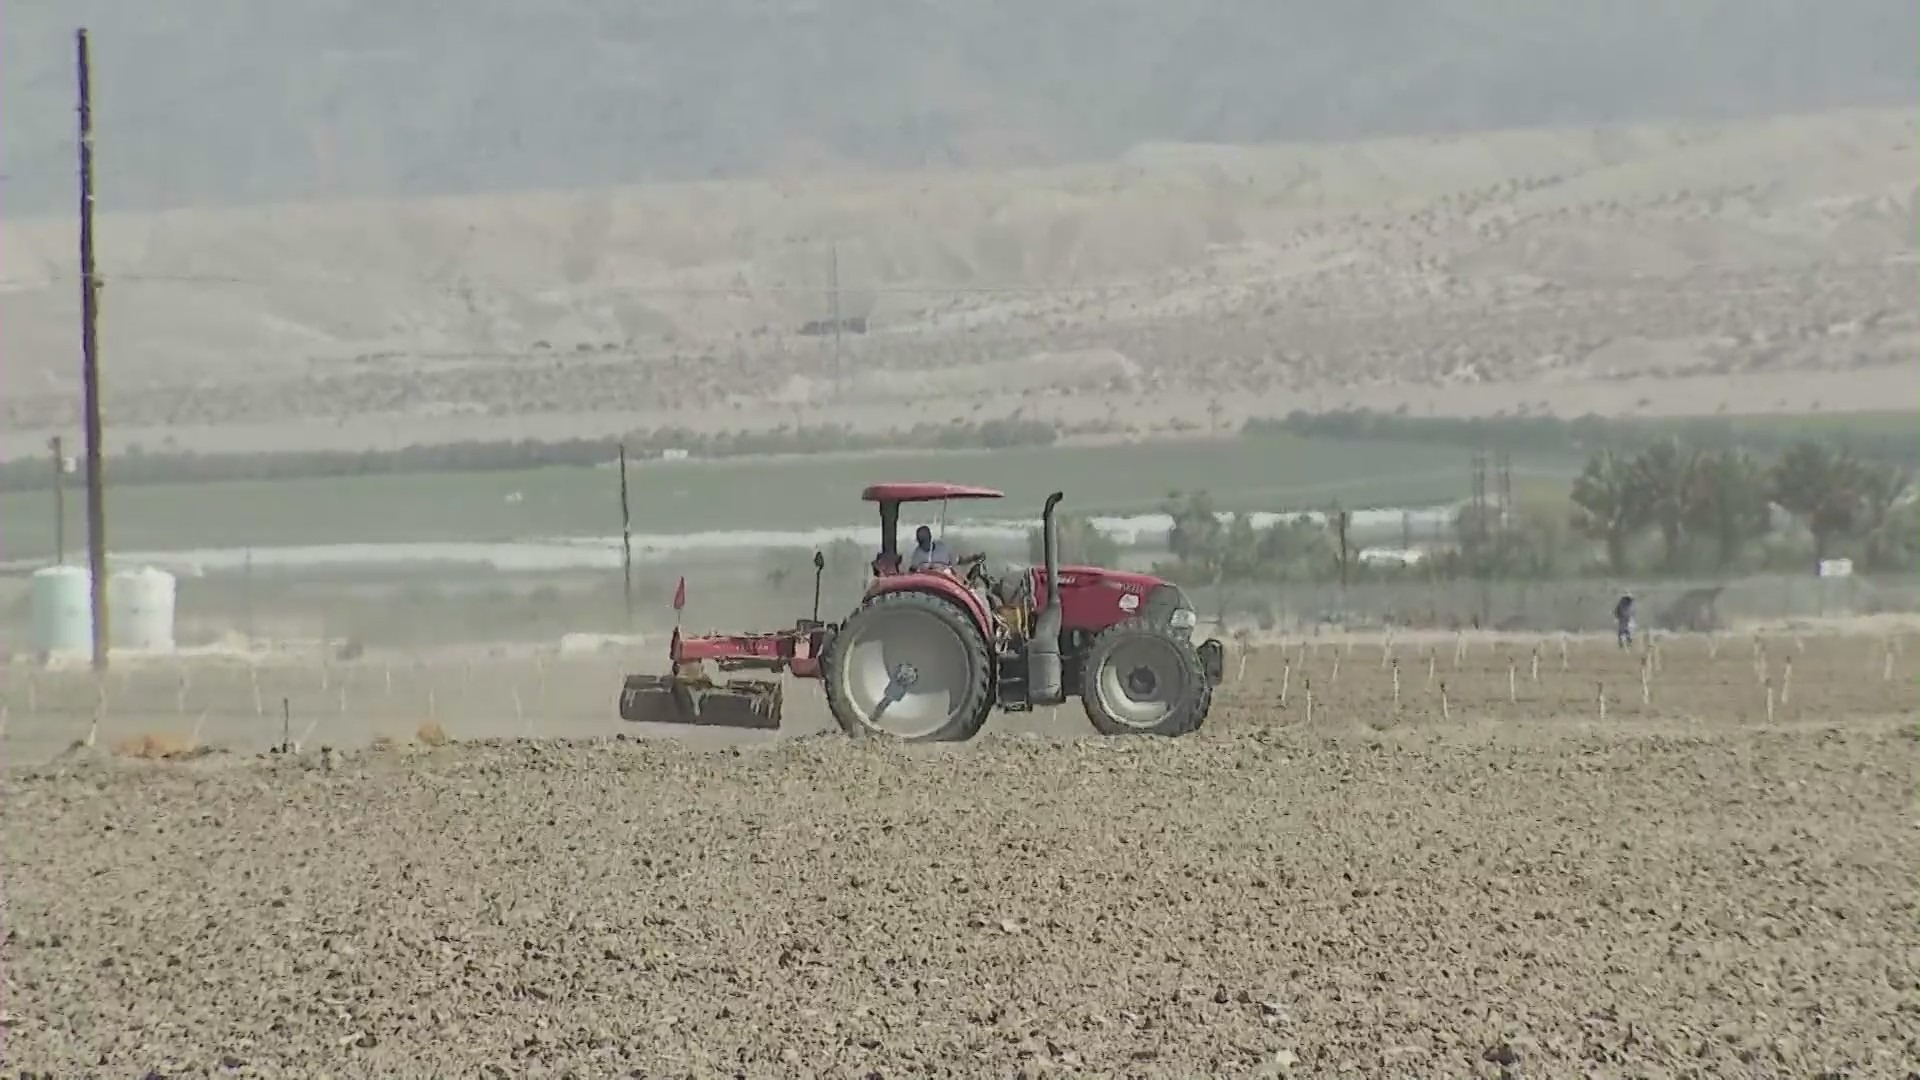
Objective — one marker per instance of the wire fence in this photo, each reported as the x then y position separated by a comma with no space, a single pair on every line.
1567,605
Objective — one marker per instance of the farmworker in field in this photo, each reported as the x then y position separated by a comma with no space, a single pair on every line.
1623,620
928,552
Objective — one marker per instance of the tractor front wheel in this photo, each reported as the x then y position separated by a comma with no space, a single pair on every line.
1142,679
910,665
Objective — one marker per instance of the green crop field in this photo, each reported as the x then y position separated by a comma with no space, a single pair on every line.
1270,472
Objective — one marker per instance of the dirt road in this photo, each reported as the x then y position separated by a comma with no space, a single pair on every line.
1689,890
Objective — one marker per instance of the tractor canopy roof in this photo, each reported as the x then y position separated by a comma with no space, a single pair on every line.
925,491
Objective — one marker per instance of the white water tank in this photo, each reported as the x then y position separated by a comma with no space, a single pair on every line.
62,610
140,610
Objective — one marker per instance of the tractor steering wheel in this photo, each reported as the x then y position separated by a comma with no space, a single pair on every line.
976,570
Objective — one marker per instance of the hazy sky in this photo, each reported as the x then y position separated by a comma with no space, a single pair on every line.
221,101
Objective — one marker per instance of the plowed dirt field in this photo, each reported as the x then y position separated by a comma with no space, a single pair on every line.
1506,885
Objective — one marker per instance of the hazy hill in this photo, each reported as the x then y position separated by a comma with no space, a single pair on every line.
209,102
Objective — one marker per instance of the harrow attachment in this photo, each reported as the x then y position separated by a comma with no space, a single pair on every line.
697,700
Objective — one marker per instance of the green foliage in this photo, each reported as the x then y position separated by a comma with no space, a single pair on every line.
1817,484
139,468
1680,507
1712,506
1607,507
1080,544
1886,437
1207,547
1663,478
1728,504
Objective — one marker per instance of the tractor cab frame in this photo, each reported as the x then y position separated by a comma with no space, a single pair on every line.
890,497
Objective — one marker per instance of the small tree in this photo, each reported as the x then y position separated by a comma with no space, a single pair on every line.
1886,523
1297,549
1728,503
1197,539
1662,482
1539,535
1820,486
1607,507
1080,543
1240,556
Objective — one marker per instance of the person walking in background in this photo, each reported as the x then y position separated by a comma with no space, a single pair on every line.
1623,620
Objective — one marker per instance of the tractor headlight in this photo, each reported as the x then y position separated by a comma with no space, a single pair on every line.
1183,619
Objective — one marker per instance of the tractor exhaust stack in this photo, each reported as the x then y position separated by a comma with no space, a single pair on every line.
1045,675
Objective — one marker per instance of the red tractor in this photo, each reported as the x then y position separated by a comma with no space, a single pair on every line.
931,651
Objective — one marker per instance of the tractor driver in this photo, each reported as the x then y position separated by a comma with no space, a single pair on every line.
928,552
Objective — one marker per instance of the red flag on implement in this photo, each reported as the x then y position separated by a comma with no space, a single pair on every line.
680,594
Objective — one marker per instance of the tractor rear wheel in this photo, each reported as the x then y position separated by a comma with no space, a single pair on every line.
909,665
1142,679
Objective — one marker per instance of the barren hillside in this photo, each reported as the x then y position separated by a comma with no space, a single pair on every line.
1753,266
210,102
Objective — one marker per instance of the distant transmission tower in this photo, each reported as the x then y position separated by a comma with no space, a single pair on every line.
1477,532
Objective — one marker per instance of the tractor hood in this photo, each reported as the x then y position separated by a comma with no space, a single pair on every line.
1095,597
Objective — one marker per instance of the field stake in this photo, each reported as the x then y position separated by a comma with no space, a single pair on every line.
1533,668
1286,678
1241,675
1429,667
430,702
99,709
1646,683
343,701
1563,651
1396,685
1786,680
1308,686
1769,701
1336,669
1513,690
286,724
1386,654
305,734
1600,688
1446,711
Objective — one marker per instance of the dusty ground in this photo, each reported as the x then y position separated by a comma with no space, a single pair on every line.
1761,266
1506,884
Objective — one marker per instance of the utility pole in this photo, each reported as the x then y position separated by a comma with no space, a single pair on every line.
833,302
90,362
626,540
1341,519
1478,535
59,500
